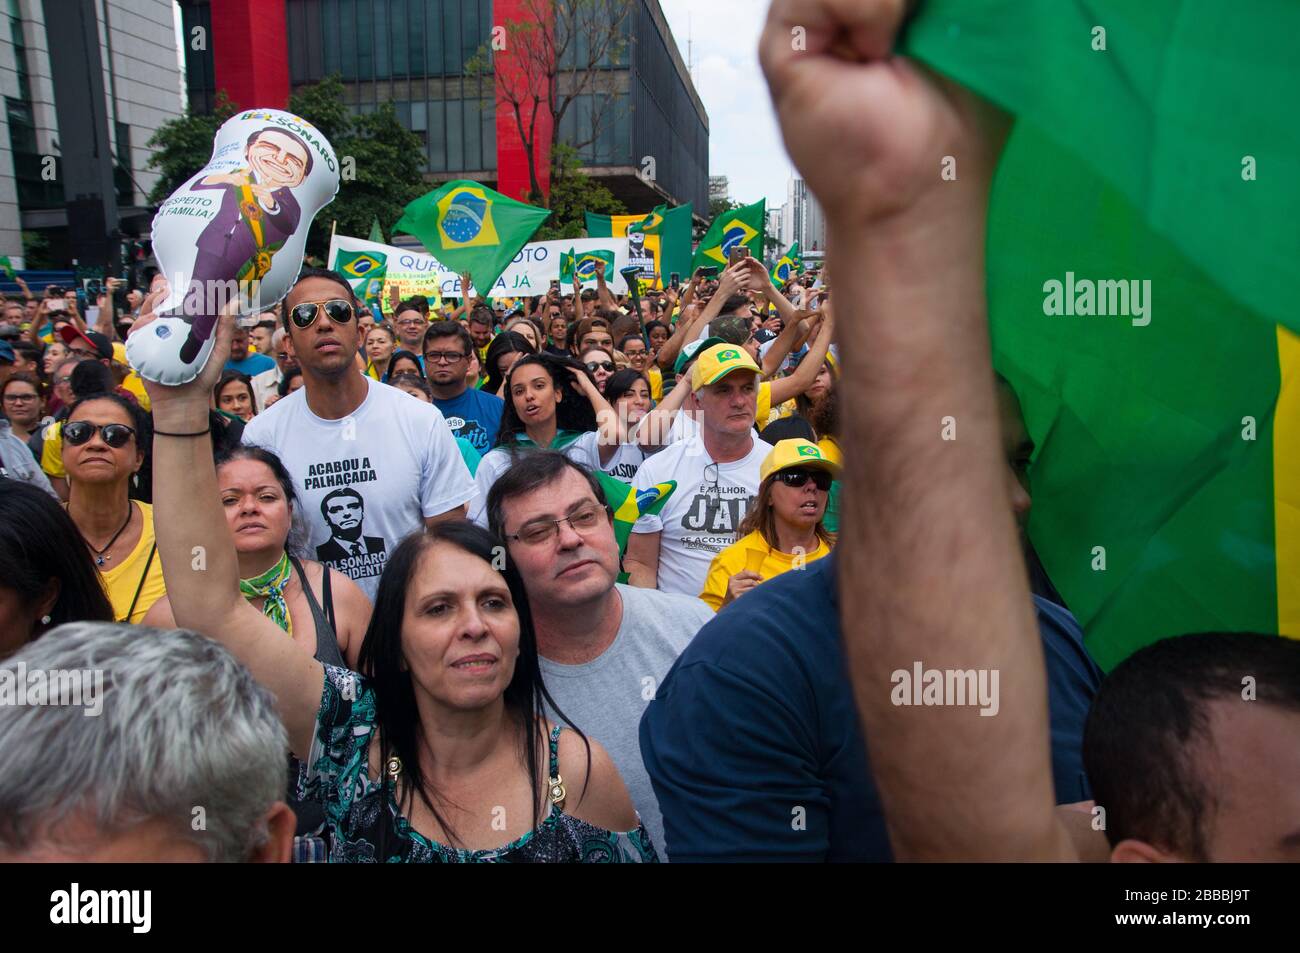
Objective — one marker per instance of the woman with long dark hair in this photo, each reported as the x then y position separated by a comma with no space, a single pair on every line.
234,396
551,403
403,362
783,529
441,750
47,577
506,348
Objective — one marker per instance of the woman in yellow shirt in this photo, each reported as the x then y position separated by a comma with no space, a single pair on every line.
783,529
105,439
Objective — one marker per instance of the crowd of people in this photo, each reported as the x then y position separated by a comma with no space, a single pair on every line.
363,590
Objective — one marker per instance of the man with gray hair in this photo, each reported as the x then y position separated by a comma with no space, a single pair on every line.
126,743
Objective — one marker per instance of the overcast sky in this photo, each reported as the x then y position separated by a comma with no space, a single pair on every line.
744,141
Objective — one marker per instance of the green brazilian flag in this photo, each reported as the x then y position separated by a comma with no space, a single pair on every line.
787,266
1142,249
7,267
469,227
364,270
672,226
739,226
629,506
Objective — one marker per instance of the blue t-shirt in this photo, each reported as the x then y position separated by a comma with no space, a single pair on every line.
756,720
252,365
475,416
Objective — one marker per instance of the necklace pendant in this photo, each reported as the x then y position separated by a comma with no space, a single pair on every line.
99,560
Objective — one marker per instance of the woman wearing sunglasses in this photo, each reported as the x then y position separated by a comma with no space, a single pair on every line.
783,528
105,442
441,751
600,365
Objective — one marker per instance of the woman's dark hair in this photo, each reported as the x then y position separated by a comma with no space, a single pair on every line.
89,378
620,382
762,517
289,377
228,377
140,487
39,543
399,355
507,342
272,461
651,325
824,414
630,337
412,380
23,377
574,412
382,661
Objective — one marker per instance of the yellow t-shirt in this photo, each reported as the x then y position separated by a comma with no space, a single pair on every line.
656,377
735,558
52,451
135,385
123,579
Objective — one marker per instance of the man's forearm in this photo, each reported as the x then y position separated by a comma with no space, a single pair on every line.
931,571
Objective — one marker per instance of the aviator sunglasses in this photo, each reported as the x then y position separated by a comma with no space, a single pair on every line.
304,315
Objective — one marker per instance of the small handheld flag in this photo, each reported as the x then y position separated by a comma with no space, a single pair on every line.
739,226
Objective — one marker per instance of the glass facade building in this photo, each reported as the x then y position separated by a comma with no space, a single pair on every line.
413,54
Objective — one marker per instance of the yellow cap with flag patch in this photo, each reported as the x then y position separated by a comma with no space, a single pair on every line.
719,361
795,453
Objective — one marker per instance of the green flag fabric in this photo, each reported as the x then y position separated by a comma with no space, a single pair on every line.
629,506
739,226
787,266
7,267
1142,243
672,226
469,227
364,270
376,234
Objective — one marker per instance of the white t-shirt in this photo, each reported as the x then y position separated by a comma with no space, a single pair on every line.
703,515
584,450
625,462
394,453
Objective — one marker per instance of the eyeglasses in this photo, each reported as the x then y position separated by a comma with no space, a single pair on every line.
63,380
80,431
81,352
584,520
444,357
594,366
304,315
798,478
20,398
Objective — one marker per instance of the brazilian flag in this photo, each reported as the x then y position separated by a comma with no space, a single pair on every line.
7,267
629,505
364,270
469,227
586,264
739,226
789,265
1154,152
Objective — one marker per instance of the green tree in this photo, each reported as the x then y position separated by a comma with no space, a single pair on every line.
182,146
572,194
381,162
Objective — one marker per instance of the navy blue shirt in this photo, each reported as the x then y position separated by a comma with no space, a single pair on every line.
754,745
475,416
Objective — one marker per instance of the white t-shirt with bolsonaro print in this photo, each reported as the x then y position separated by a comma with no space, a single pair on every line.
367,481
703,516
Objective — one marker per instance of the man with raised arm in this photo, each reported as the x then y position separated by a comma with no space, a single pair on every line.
907,249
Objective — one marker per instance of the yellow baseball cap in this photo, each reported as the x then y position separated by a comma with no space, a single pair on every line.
795,453
717,362
119,354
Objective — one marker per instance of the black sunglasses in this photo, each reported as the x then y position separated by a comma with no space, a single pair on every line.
607,365
798,478
80,431
304,315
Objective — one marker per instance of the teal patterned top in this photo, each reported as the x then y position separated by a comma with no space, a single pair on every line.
366,825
